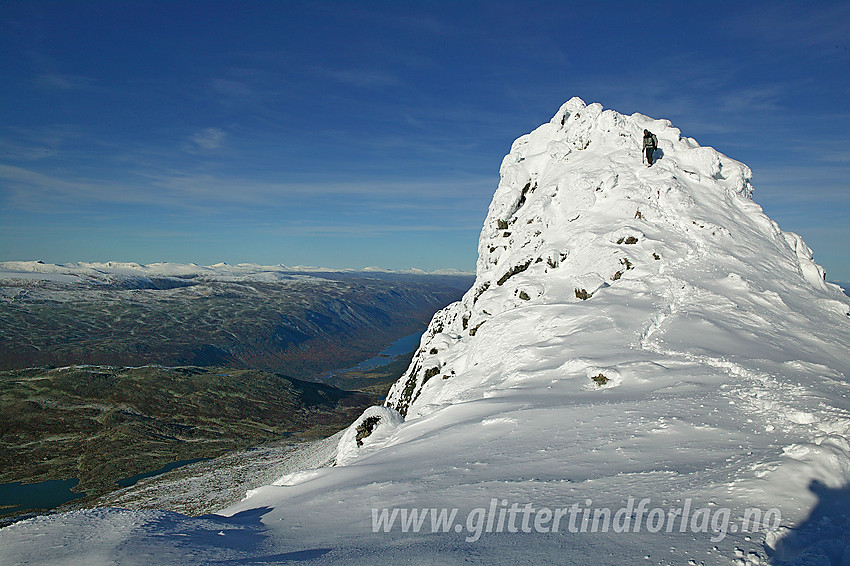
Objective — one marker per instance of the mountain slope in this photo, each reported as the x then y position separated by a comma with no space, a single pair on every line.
102,424
639,341
262,317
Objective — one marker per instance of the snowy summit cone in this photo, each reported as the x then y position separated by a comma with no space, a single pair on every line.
580,232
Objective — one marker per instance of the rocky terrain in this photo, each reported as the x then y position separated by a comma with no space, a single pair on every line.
101,424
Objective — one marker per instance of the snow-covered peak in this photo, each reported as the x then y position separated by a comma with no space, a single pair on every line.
587,162
579,216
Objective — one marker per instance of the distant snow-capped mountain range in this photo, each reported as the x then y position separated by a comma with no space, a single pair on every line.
97,271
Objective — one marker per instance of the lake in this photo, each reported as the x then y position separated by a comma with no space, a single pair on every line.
400,347
17,497
127,482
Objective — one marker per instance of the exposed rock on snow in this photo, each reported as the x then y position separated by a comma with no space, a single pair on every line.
374,424
577,212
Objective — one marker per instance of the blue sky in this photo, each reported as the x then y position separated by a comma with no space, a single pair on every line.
351,134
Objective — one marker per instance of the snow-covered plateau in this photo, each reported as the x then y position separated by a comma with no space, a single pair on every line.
647,370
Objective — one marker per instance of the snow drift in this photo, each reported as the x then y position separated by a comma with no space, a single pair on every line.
633,333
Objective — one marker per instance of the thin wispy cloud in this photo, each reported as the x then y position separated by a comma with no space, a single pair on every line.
361,78
766,98
836,156
793,184
32,191
207,139
248,83
34,144
206,193
21,151
64,82
233,88
361,231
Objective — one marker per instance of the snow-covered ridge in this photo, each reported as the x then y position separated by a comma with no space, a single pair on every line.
579,215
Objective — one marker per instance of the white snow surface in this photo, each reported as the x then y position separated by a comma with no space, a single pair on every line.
385,420
724,367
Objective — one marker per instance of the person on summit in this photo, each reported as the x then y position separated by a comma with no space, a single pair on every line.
650,144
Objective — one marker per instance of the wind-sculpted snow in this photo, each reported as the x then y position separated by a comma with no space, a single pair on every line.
375,424
634,334
598,272
578,215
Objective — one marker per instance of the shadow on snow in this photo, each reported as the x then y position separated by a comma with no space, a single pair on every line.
824,537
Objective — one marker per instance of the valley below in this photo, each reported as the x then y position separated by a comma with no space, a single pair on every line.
107,378
302,325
